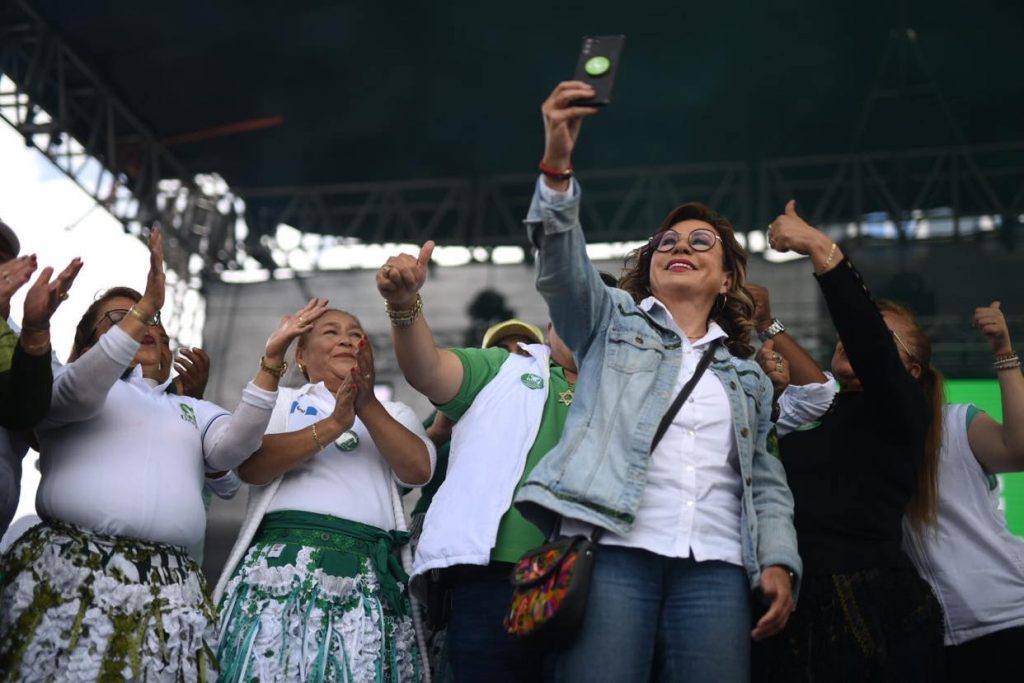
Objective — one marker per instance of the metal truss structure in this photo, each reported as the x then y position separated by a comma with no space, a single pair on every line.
63,109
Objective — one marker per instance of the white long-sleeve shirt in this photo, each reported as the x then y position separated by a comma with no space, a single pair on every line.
123,457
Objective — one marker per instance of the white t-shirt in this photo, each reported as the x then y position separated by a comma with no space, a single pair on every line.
973,562
353,484
123,457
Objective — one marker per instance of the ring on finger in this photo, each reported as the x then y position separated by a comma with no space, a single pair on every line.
778,367
385,268
63,296
777,356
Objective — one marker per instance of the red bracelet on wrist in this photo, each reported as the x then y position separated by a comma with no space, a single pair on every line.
554,173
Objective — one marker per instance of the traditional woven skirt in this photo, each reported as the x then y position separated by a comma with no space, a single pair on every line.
318,598
870,625
80,606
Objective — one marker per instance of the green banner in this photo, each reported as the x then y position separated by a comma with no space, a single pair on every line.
984,393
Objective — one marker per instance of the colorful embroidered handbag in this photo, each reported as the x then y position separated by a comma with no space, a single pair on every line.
551,587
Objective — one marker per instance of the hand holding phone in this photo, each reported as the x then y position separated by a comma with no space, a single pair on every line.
597,66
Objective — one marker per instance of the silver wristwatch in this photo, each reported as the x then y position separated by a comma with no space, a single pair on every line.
775,328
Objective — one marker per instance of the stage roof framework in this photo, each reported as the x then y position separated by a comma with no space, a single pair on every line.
399,123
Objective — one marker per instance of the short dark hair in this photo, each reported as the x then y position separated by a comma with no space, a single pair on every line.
86,326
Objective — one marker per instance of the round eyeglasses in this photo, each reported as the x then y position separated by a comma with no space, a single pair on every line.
700,239
115,315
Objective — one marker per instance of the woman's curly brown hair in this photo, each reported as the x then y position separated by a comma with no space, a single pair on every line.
734,312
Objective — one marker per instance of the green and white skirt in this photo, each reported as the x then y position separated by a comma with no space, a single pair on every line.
318,598
75,605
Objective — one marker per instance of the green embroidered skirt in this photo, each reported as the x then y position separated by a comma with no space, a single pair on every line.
318,598
80,606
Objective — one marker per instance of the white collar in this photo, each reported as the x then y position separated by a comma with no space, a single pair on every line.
135,377
714,329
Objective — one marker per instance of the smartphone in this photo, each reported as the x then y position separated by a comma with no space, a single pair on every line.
598,64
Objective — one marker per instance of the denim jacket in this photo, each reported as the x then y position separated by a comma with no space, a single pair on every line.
628,363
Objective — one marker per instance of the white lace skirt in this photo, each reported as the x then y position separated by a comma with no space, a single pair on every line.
79,606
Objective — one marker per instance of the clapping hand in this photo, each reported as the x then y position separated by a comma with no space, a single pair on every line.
290,328
363,374
14,274
193,366
44,297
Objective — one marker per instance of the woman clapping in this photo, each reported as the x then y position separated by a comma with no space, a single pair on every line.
103,588
313,589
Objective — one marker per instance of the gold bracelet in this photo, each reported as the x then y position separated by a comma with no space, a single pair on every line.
831,255
406,317
319,444
148,322
271,370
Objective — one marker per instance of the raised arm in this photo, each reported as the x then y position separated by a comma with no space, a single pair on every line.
434,372
1000,447
235,438
866,339
577,298
80,390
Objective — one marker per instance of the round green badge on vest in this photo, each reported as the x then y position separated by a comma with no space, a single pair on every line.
532,381
347,441
597,66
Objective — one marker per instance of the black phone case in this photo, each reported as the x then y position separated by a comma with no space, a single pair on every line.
609,47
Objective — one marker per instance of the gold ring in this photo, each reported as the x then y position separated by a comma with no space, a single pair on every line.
385,268
63,296
778,367
777,356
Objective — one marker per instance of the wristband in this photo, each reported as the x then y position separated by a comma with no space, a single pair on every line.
554,173
32,328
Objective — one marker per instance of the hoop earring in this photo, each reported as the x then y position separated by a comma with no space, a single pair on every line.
720,305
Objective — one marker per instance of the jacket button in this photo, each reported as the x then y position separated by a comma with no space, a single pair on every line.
744,432
732,385
639,340
749,481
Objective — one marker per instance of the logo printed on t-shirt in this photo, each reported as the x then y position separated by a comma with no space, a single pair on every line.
188,414
309,410
532,381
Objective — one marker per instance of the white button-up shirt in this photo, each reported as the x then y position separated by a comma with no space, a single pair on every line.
691,502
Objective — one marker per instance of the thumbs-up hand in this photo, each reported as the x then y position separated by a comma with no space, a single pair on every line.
402,276
790,232
992,323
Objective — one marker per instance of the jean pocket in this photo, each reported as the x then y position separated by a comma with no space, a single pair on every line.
631,350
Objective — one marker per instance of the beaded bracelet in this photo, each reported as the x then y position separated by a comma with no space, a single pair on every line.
1006,362
405,317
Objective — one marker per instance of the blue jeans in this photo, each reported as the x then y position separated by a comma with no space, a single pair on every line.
655,618
478,647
